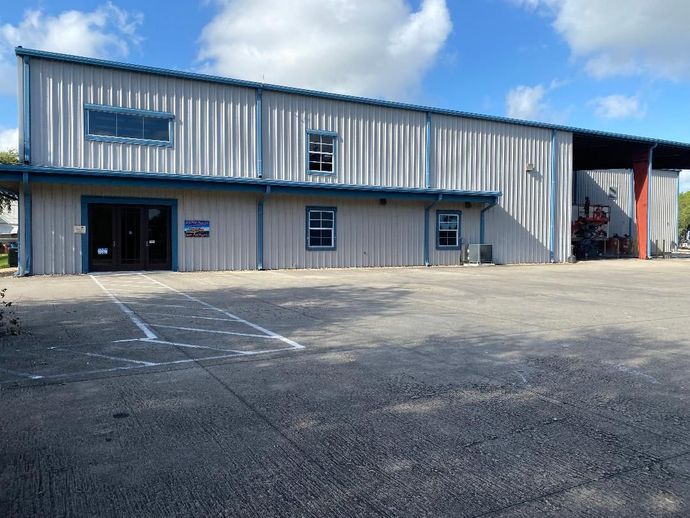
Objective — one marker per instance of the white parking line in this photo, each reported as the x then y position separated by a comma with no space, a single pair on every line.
132,316
21,374
292,343
194,316
198,330
96,355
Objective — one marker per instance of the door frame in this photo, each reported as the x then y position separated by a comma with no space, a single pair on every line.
119,200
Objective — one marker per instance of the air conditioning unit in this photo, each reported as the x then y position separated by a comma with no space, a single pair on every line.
480,254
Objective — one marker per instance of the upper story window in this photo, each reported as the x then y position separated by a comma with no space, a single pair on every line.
321,152
115,124
448,230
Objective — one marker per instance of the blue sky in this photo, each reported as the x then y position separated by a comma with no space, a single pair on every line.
614,66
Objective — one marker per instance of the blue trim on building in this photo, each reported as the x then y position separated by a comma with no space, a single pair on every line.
88,108
427,152
552,197
482,227
19,51
121,200
440,213
27,234
306,229
128,111
649,200
46,174
259,134
335,152
260,229
26,110
427,235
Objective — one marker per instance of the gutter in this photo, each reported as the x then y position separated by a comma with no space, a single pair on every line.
260,229
427,209
649,200
552,211
481,220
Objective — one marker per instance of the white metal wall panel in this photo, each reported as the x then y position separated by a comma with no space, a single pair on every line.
564,196
663,215
485,155
376,145
214,124
231,245
595,185
367,233
469,233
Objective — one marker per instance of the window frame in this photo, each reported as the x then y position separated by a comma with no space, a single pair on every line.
307,228
88,108
440,213
321,133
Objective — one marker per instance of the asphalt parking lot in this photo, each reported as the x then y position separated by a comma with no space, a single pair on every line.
503,391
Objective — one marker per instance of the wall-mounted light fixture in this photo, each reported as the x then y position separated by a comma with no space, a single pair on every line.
530,167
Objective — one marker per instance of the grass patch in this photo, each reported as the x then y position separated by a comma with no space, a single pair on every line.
4,261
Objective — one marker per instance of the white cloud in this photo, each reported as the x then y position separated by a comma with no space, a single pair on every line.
359,47
618,107
526,102
624,37
684,180
105,32
9,139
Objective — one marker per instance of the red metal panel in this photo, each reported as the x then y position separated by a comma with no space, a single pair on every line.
641,172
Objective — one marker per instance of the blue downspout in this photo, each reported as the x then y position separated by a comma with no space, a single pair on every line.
427,152
260,229
481,221
649,201
552,212
259,134
427,209
26,191
26,122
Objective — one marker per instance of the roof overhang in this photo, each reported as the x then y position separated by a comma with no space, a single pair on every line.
593,150
63,175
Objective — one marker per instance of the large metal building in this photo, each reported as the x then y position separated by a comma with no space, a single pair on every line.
126,167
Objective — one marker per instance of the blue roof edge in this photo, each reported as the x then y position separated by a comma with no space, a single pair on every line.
282,185
21,51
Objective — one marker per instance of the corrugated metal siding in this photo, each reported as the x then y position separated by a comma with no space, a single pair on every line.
214,124
231,246
469,233
595,185
367,233
486,155
564,190
663,216
376,145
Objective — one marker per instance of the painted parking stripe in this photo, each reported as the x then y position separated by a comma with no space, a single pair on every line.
198,330
97,355
132,316
292,343
21,374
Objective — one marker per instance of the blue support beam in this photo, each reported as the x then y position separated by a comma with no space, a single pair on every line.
552,204
427,235
26,111
260,229
26,201
259,134
427,153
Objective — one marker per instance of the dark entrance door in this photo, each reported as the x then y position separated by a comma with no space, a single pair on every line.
129,237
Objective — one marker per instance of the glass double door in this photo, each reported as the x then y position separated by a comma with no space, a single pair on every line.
129,237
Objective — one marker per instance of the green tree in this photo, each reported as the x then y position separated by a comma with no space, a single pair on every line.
7,157
683,212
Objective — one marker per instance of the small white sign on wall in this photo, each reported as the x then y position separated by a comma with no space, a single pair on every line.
80,229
